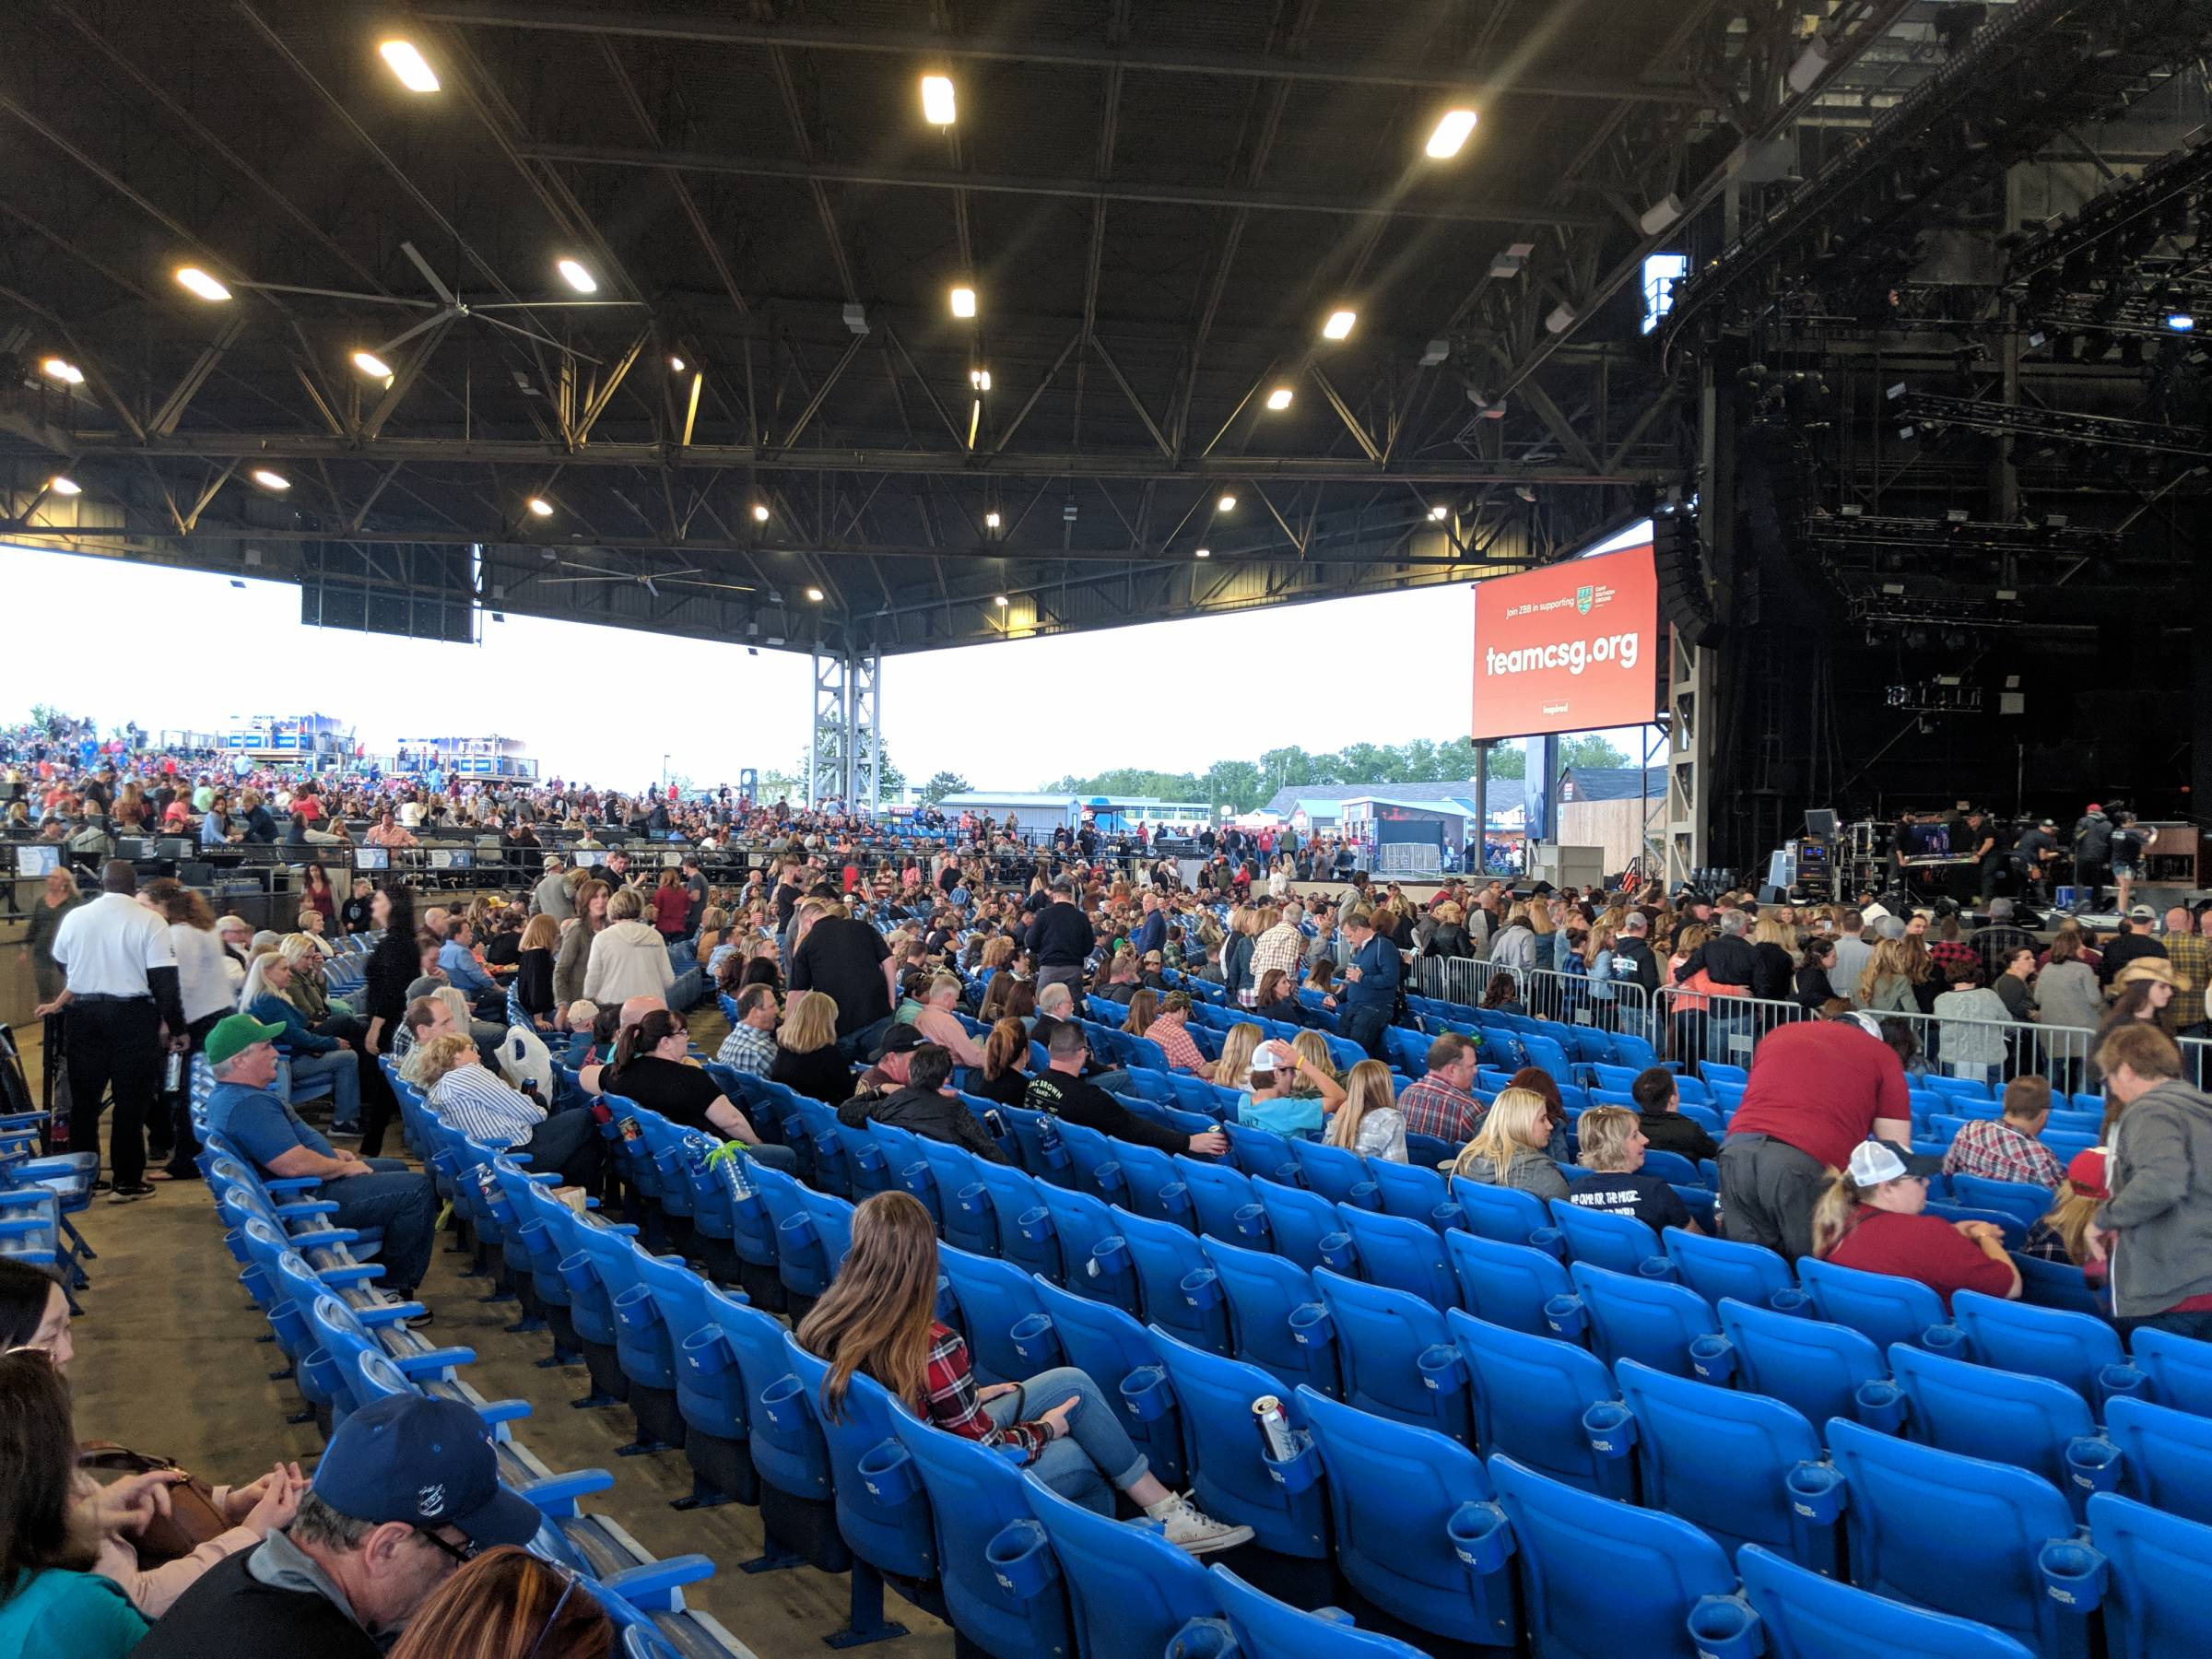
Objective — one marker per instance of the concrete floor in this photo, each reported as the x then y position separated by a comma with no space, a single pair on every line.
165,1362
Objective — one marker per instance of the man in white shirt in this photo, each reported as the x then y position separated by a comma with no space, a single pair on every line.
124,1006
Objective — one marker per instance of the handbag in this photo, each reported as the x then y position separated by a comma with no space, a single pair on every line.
193,1518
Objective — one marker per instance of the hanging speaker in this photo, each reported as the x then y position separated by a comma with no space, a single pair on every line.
1679,562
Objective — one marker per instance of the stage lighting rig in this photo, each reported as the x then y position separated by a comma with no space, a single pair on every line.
1925,411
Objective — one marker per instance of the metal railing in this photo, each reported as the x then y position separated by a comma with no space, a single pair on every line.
1998,1050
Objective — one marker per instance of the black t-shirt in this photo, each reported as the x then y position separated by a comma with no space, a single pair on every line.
821,1074
1646,1197
1671,1131
1007,1088
679,1093
1087,1104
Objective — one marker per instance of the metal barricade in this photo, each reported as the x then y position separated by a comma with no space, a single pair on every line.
1608,1005
1694,1027
1995,1050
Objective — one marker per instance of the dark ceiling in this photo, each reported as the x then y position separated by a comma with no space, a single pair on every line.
1156,203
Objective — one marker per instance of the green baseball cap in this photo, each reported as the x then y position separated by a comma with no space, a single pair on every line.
235,1035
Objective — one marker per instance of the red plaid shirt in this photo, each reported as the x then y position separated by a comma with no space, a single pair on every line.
1174,1038
1944,952
1433,1107
1994,1150
952,1402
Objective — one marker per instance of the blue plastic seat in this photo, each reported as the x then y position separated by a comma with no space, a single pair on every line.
1632,1317
881,1511
832,1218
1337,1175
1600,1580
1228,1471
2160,1582
1602,1239
908,1169
1506,1214
1094,1260
1393,1490
1097,1163
1885,1308
1155,1185
2178,1367
1506,1284
1001,1583
2001,1416
1165,1257
2020,1198
1129,1590
1304,1226
1397,1356
1954,1534
967,1218
2165,1457
991,1296
1256,1626
1806,1616
1261,1153
1404,1255
1719,1267
1809,1364
800,1264
2072,1349
1722,1460
1276,1320
2045,1284
1016,1195
1529,1395
1224,1201
1414,1191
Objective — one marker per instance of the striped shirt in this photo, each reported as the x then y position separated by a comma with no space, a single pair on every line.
747,1048
483,1108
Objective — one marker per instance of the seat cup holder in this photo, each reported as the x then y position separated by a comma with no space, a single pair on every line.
1611,1427
1566,1317
2093,1464
1816,1493
1727,1626
1713,1357
1880,1405
1481,1537
2074,1574
1310,1326
1036,1341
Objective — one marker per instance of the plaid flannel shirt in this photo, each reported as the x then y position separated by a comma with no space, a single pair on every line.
1994,1150
953,1405
2191,955
1279,946
747,1048
1176,1040
1433,1107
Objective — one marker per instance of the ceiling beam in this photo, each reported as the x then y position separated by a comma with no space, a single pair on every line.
815,173
918,43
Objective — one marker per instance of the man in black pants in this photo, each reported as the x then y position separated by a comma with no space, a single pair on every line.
123,1007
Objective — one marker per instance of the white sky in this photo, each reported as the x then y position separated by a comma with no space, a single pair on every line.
185,650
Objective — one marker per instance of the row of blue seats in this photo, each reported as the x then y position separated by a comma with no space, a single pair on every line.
346,1345
983,1292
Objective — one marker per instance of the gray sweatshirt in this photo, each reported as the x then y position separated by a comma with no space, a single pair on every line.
1530,1171
2161,1203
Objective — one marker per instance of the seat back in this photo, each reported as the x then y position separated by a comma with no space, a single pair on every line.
1259,1627
1721,1267
2022,1199
1120,1356
1809,1364
1620,1243
1888,1309
800,1262
2004,1417
1276,1320
1506,1214
964,1205
1223,1201
1632,1317
1094,1261
2071,1349
2178,1368
2161,1578
1528,1396
884,1518
2165,1457
1810,1616
1228,1471
1128,1588
1393,1492
1401,1254
991,1296
1600,1579
1261,1153
1299,1221
1000,1583
1721,1459
1156,1186
1337,1175
1164,1257
1097,1161
784,1438
1014,1194
1954,1533
1396,1355
1506,1284
1414,1191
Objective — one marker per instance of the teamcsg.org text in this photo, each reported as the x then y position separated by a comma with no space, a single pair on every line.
1574,655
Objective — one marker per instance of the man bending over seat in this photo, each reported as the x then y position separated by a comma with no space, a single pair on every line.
373,1192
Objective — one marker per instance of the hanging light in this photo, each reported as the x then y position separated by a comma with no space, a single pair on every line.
63,485
197,281
62,370
540,507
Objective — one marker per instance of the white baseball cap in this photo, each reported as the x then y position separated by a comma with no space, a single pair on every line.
1270,1056
1872,1163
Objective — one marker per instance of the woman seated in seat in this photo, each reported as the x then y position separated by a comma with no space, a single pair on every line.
1612,1147
1368,1122
1233,1069
1277,998
1005,1073
1543,1084
807,1060
1508,1148
879,1316
653,1067
2063,1233
1144,1008
1502,996
1871,1217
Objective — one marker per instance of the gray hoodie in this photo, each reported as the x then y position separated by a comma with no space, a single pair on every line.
1530,1171
2161,1204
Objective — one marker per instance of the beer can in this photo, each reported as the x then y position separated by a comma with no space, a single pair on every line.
1275,1429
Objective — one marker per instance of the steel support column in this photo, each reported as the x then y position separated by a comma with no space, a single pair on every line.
1689,757
844,758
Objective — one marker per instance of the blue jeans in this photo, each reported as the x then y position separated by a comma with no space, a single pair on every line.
1097,1456
2198,1325
404,1203
344,1070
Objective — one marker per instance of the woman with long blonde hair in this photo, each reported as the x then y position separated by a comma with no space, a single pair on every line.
1507,1148
1368,1122
807,1056
1233,1069
879,1317
1313,1048
1886,987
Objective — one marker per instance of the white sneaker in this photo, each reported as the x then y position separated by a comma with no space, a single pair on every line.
1189,1528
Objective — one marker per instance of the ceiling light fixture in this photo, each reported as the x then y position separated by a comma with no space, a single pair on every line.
1228,503
1439,513
963,302
814,595
370,364
271,481
2180,322
62,370
979,379
64,487
540,506
1279,398
991,519
197,281
1339,325
576,276
414,71
937,107
760,512
1452,130
999,600
676,365
1206,553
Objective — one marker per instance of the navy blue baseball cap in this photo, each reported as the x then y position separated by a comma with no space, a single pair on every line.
428,1463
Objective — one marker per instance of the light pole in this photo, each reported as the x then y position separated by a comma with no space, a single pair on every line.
663,774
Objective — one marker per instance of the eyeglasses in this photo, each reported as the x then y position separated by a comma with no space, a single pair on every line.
552,1618
462,1553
